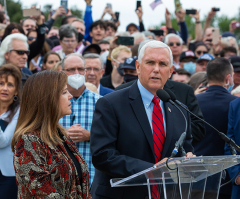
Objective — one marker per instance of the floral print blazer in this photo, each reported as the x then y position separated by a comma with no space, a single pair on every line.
44,171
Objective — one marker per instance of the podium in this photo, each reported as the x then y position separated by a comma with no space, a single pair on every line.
184,178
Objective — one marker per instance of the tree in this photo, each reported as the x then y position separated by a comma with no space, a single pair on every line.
74,10
222,22
14,10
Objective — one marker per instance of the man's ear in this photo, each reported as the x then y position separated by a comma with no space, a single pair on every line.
171,71
6,55
137,64
91,34
103,71
226,79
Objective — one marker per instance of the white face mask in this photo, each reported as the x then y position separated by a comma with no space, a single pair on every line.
76,80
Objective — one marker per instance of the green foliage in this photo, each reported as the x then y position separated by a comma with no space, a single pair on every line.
14,10
222,22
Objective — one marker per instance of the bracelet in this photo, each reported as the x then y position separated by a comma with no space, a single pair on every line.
198,21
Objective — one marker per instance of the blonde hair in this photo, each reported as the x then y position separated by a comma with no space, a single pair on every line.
225,42
56,66
116,51
91,87
40,107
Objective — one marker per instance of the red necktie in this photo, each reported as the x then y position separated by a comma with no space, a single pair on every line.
158,137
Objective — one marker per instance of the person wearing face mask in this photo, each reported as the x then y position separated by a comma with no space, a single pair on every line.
214,104
116,78
188,61
78,124
129,69
201,64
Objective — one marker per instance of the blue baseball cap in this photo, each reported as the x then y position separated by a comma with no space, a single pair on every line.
129,63
206,56
131,24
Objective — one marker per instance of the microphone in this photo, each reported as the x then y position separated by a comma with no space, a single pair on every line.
165,97
228,140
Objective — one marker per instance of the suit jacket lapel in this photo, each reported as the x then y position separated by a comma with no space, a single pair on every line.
169,128
140,113
169,85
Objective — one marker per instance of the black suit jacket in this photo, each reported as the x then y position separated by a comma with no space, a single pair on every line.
122,141
214,104
185,94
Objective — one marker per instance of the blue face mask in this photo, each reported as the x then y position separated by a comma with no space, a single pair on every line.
190,67
230,87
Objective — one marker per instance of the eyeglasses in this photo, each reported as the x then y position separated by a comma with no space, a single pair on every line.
199,52
94,69
69,41
21,52
72,70
172,43
31,38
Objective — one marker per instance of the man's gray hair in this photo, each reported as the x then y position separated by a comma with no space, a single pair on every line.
72,55
148,33
6,45
67,30
168,36
94,56
152,44
79,20
138,35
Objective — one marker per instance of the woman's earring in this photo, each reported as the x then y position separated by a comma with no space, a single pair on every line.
15,98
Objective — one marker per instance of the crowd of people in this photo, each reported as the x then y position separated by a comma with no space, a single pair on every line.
78,109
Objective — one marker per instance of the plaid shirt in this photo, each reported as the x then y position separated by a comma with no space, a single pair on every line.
82,113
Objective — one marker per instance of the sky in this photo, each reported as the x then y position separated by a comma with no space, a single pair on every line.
150,17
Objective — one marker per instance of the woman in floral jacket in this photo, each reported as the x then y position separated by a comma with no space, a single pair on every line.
46,161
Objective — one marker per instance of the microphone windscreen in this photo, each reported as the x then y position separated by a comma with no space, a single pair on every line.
171,94
163,95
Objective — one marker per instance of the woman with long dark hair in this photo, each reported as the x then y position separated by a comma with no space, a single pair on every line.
46,161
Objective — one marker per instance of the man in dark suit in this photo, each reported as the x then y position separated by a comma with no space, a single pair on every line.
185,94
214,104
95,71
233,132
124,131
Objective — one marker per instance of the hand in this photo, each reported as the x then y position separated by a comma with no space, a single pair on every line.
238,180
217,48
167,15
160,162
117,24
211,14
78,133
113,45
231,29
37,18
139,13
68,12
88,2
60,11
2,8
190,154
200,90
196,16
181,15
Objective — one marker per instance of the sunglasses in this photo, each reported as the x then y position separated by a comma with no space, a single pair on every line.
199,52
21,52
31,38
172,44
